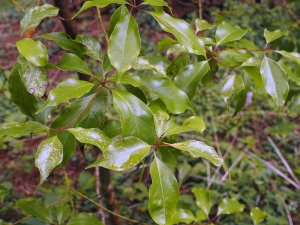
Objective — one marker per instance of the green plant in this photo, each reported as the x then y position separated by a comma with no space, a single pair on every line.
146,94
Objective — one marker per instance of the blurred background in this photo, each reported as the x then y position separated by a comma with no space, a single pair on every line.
252,142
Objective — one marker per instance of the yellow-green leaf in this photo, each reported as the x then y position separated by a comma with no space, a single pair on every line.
17,129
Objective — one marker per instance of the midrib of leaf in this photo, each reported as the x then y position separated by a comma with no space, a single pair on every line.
125,39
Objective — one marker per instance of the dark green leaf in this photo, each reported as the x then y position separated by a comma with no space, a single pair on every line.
257,215
163,193
34,15
227,32
229,206
136,118
84,219
115,18
113,128
16,129
34,51
62,213
143,63
180,62
203,199
92,45
106,65
72,62
232,58
231,85
273,35
123,154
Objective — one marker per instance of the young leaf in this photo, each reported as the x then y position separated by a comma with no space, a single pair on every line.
200,149
124,44
35,78
48,156
19,94
163,193
92,45
156,3
84,218
65,42
91,136
16,129
136,118
72,62
203,199
33,51
229,206
202,25
97,3
275,81
227,32
231,85
66,90
190,76
34,15
257,215
36,208
295,56
123,154
273,35
183,216
182,31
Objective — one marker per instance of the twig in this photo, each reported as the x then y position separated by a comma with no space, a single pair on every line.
285,163
288,214
18,5
200,9
101,24
231,167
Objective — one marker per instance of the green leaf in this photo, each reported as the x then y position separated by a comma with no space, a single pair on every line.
189,77
48,156
275,81
295,56
68,142
202,25
136,118
62,213
192,123
115,18
251,62
112,128
174,98
203,199
232,57
183,216
35,78
34,51
34,15
180,62
257,215
19,94
106,65
156,3
72,62
84,219
97,3
163,193
66,90
124,44
182,31
161,119
92,45
123,154
200,149
230,206
142,63
227,32
16,129
91,136
200,216
36,208
65,42
231,85
273,35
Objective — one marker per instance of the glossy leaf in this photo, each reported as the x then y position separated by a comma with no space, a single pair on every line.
163,193
34,15
113,128
115,18
203,199
251,62
192,123
295,56
174,98
230,206
180,62
35,78
182,31
136,118
66,90
161,120
183,216
65,42
123,154
227,32
34,51
97,3
202,25
106,65
155,3
257,215
231,85
91,136
124,44
273,35
19,94
200,149
84,218
142,63
189,77
16,129
274,80
92,45
48,156
36,208
232,57
72,62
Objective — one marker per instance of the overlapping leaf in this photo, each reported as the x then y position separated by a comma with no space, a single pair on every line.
17,129
227,32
